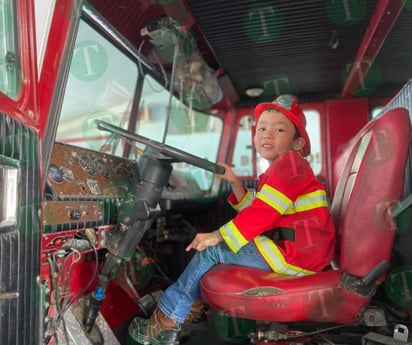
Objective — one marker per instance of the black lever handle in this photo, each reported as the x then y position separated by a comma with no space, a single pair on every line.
376,272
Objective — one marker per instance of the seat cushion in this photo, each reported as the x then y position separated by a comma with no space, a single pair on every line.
259,295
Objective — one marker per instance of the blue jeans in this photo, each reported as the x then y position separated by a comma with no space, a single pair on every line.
178,298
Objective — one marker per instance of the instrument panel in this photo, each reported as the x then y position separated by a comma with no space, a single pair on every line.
83,187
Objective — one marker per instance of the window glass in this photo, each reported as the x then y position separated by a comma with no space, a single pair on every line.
9,58
242,157
376,111
100,85
168,120
313,129
9,180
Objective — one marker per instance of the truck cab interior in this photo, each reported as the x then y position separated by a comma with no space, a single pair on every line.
114,118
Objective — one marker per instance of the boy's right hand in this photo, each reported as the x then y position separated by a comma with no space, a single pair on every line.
228,175
233,180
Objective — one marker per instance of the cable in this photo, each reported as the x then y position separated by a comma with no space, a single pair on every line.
63,306
160,66
57,283
63,285
317,332
81,293
326,339
172,80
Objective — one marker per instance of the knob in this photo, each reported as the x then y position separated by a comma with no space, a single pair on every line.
75,214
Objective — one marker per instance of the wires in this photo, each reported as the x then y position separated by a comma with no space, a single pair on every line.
160,66
322,330
84,290
60,289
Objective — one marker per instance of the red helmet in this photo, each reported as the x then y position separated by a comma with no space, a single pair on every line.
288,105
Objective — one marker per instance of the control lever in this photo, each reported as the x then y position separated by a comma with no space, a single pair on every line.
94,302
375,273
365,285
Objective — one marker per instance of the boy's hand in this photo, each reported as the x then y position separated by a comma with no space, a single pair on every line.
228,175
203,240
234,181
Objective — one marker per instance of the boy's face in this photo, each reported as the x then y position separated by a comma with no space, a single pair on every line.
275,134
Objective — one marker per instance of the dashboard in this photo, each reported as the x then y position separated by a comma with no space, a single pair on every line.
84,187
88,192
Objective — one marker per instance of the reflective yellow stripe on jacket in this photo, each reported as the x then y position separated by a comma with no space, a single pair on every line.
232,236
275,199
245,202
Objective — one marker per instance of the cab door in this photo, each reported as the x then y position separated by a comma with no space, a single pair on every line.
19,181
22,115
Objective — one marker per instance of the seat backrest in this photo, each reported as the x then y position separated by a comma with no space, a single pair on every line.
371,182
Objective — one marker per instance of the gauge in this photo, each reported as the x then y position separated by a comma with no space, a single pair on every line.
101,168
94,187
118,169
67,174
87,164
55,173
71,158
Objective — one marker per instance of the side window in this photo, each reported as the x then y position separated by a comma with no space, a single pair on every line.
101,85
313,129
9,179
376,111
9,57
242,156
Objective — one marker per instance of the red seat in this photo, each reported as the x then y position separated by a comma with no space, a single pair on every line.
370,184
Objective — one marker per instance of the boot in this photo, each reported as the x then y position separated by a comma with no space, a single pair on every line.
197,312
158,330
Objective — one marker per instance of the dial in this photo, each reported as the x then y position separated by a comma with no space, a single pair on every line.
87,164
55,173
102,168
67,174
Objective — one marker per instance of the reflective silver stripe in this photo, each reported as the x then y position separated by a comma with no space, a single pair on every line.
312,200
309,201
245,202
274,198
276,260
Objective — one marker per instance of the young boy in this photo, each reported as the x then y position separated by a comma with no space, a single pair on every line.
286,228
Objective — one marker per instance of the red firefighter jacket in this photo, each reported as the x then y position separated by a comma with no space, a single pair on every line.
288,219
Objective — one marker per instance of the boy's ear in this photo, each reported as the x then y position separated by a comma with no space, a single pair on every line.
298,144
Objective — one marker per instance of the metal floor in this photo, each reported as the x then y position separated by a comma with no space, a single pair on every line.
201,333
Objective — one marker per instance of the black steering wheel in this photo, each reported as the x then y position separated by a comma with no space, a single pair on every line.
169,151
